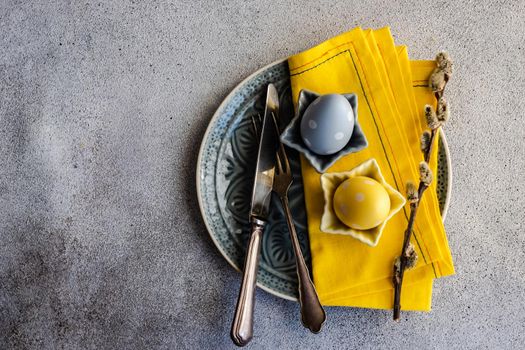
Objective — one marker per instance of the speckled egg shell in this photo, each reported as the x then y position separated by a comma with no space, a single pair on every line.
361,203
327,124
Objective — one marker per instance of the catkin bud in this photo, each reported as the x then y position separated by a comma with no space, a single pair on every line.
430,115
437,80
411,255
444,63
412,194
425,141
442,112
425,174
411,261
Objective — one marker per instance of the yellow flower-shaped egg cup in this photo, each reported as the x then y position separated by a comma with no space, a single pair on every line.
330,223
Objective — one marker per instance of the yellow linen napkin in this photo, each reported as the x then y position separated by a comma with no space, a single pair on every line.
410,119
346,272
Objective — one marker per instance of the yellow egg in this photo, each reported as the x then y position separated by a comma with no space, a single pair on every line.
361,203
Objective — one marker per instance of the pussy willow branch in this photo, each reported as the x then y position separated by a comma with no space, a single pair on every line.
398,274
399,271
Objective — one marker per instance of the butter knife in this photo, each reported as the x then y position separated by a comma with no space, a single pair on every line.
242,326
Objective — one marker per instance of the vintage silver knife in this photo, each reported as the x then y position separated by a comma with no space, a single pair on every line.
242,327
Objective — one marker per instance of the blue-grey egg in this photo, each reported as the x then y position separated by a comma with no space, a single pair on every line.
327,124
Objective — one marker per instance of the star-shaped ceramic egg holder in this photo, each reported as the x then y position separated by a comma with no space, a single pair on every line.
330,223
291,136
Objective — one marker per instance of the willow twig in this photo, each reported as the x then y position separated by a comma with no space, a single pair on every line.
435,119
399,269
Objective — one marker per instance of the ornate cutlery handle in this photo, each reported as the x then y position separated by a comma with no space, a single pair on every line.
242,327
312,313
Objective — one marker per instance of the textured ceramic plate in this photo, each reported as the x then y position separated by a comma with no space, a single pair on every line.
225,169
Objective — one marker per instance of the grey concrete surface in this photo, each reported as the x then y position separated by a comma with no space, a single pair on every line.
102,109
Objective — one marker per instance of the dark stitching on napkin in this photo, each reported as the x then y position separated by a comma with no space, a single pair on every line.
384,151
425,86
404,211
380,138
317,65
